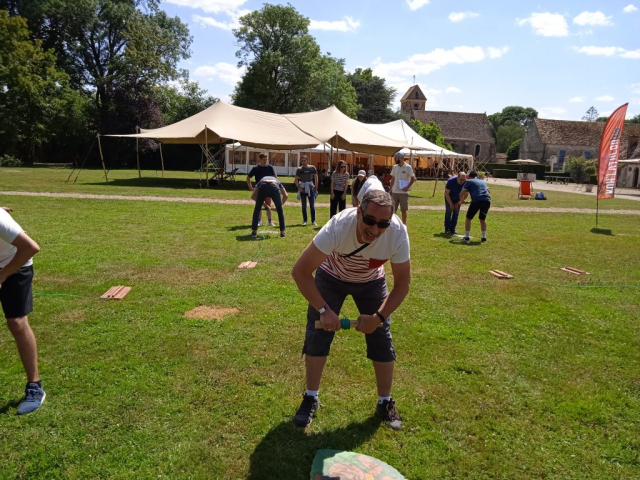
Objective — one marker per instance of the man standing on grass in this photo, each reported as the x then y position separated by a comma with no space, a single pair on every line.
260,171
306,181
402,178
16,275
348,256
480,202
452,202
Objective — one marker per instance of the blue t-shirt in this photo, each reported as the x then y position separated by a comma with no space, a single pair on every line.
454,189
260,172
477,189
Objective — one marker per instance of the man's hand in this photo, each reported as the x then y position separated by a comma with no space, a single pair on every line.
7,209
456,205
406,189
332,195
344,195
368,323
330,321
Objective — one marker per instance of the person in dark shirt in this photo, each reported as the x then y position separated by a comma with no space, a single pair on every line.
268,187
259,172
480,202
452,202
357,185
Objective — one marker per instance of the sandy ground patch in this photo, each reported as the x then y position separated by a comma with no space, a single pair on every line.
210,312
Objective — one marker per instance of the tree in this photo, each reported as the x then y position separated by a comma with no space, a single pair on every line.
432,132
602,119
635,119
508,133
105,45
36,102
513,152
591,115
523,116
580,169
177,102
285,70
374,96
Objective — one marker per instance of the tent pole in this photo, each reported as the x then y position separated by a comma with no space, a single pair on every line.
435,184
138,152
102,159
206,156
161,160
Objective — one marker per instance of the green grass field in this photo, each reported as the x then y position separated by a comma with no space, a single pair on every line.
532,378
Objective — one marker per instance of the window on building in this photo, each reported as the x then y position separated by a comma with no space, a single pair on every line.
453,146
587,155
276,159
293,160
477,152
415,106
254,157
417,96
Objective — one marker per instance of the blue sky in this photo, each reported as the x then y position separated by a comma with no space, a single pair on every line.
560,57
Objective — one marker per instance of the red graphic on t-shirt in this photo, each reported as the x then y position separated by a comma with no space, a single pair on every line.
375,263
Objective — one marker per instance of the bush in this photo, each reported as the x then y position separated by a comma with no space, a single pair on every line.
9,161
505,173
580,169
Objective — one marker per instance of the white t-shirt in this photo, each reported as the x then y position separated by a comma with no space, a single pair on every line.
9,230
372,183
403,174
338,237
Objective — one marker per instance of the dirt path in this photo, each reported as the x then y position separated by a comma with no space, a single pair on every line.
150,198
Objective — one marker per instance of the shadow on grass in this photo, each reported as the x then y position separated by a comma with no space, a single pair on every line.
175,183
288,452
602,231
10,404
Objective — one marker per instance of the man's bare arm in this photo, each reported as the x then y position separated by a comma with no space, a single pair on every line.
26,248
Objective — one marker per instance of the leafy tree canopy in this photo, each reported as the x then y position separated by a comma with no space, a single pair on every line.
374,96
591,115
286,71
432,132
177,102
507,133
522,115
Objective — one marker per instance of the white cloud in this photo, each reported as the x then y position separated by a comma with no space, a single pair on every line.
416,4
593,18
635,88
553,113
609,51
346,25
630,8
605,98
226,72
547,24
576,99
424,63
459,16
497,52
212,22
453,90
210,6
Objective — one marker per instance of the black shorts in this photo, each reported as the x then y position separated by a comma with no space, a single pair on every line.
483,206
15,294
368,297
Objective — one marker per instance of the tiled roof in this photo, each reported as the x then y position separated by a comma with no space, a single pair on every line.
459,125
565,132
410,95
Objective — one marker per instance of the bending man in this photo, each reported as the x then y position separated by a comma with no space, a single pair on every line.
348,256
268,187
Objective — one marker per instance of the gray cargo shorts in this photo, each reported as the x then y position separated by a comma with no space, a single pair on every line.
368,297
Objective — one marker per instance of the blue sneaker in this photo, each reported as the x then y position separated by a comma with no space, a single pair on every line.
33,398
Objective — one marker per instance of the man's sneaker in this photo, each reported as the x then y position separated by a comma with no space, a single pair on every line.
304,224
271,224
314,223
254,234
306,412
387,410
484,239
453,232
466,239
282,234
260,223
33,398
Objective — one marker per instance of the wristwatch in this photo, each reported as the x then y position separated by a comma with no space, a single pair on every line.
323,309
381,316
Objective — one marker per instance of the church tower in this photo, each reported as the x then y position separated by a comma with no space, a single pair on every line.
413,100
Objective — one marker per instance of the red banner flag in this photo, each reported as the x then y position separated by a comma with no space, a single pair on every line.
609,153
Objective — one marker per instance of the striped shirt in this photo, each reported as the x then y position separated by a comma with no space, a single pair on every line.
340,181
338,238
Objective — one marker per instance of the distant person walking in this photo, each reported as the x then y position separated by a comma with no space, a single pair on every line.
402,178
339,186
16,276
263,169
306,181
452,202
480,202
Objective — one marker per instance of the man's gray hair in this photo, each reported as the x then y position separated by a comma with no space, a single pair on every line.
379,197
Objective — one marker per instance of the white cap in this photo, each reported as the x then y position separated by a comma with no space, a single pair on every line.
363,173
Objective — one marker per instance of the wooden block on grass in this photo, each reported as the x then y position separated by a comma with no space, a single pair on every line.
247,265
575,271
499,274
116,293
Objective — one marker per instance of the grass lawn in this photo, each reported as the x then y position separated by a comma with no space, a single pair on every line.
191,184
532,378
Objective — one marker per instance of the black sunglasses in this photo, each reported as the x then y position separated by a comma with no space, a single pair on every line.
372,221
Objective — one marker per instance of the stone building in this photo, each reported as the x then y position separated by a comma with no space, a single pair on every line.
552,141
468,133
